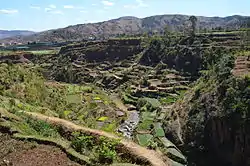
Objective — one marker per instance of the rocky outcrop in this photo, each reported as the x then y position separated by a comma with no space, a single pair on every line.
130,124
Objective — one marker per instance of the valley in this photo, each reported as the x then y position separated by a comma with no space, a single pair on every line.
160,100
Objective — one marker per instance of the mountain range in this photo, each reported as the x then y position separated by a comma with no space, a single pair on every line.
126,25
13,33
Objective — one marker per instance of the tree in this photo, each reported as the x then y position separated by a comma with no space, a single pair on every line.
167,36
193,20
245,35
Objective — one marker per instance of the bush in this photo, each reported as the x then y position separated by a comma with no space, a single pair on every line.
81,142
106,150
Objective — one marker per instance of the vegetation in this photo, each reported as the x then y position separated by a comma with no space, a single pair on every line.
172,87
193,20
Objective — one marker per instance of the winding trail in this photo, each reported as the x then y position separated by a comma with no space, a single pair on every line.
151,156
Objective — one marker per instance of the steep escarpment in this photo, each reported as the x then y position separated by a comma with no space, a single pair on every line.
214,118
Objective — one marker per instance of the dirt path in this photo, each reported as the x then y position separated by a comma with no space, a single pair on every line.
134,149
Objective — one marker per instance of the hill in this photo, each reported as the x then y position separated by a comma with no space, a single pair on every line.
160,100
8,34
129,26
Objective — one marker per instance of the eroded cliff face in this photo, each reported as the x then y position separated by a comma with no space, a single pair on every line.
209,139
230,142
211,123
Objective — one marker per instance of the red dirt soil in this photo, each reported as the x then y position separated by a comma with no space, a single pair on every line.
242,66
20,153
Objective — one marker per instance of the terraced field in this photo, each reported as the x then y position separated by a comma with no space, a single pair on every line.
106,102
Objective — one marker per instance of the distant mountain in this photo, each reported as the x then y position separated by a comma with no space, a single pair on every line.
129,25
7,34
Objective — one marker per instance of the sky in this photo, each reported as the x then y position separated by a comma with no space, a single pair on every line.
40,15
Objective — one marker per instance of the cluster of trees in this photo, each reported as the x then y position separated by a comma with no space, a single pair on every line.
245,25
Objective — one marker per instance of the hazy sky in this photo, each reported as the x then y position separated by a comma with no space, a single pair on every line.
40,15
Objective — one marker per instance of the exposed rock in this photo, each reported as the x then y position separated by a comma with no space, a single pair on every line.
120,113
130,124
131,107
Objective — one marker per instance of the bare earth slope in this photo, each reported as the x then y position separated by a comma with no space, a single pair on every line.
21,153
242,66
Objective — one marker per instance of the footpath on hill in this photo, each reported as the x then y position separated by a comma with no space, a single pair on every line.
151,156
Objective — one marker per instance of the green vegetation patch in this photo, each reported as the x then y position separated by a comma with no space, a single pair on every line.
168,100
154,102
176,155
101,150
166,142
159,132
144,139
111,127
148,116
44,52
148,104
145,125
103,118
74,98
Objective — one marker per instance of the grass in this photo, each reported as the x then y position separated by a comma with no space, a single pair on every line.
6,52
168,100
159,132
154,102
145,125
147,116
44,52
103,118
144,139
243,53
74,98
23,88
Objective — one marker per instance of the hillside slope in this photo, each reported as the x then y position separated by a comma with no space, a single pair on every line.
129,25
7,34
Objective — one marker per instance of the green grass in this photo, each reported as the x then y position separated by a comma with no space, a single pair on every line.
74,98
243,53
43,52
159,132
103,118
154,102
148,116
23,88
144,139
168,100
145,125
6,52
